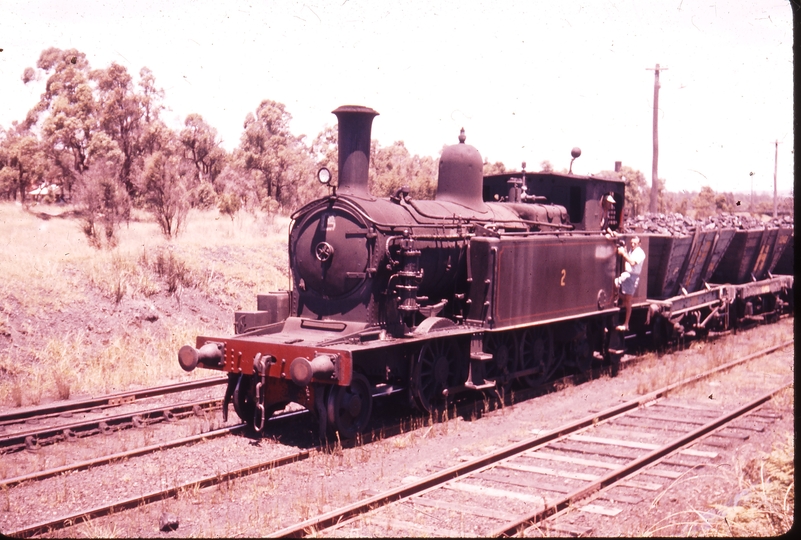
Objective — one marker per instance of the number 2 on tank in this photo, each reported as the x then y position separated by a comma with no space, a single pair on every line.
562,281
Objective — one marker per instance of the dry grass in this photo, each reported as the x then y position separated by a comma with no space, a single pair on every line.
765,505
768,505
37,254
705,355
50,268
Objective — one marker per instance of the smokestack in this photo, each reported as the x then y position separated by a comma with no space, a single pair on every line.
355,124
618,165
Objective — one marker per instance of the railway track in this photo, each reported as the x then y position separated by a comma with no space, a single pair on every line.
91,428
411,491
494,494
103,402
33,439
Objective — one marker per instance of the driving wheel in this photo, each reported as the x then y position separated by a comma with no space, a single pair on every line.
505,357
582,348
436,368
537,353
348,408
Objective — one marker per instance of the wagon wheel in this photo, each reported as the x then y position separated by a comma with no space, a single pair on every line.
582,356
661,332
615,348
505,358
244,404
436,368
348,408
582,349
537,353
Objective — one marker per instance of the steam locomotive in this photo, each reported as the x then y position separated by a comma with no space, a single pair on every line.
497,280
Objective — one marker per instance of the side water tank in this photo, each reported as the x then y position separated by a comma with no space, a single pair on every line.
461,176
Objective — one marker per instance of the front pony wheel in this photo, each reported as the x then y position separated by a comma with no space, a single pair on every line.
348,408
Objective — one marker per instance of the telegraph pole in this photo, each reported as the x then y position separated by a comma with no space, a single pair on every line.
654,166
775,171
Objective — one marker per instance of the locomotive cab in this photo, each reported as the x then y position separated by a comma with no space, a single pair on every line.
582,196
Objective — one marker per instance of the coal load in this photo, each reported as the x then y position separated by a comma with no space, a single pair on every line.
679,225
724,248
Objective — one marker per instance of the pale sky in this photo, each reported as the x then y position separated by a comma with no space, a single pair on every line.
528,80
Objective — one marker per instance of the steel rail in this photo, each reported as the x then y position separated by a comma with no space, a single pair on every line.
102,460
631,468
334,517
86,464
50,434
154,496
110,400
313,525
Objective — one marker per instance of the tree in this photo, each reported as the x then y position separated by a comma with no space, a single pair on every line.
493,168
390,168
120,115
69,103
267,146
23,163
237,180
637,191
229,204
150,95
324,150
393,167
704,203
165,180
79,102
203,149
675,202
102,200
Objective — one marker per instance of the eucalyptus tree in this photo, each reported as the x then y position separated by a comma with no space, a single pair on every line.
637,191
79,102
22,162
393,167
202,148
280,158
324,150
120,115
66,112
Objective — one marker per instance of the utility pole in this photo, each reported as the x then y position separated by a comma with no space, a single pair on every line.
654,166
775,171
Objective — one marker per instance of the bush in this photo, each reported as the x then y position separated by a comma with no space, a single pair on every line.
165,179
229,204
103,205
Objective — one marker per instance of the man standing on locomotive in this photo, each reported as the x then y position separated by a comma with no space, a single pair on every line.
608,216
629,279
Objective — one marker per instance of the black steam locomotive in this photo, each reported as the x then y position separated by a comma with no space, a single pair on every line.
498,279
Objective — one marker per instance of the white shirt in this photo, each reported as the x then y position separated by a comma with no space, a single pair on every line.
639,256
